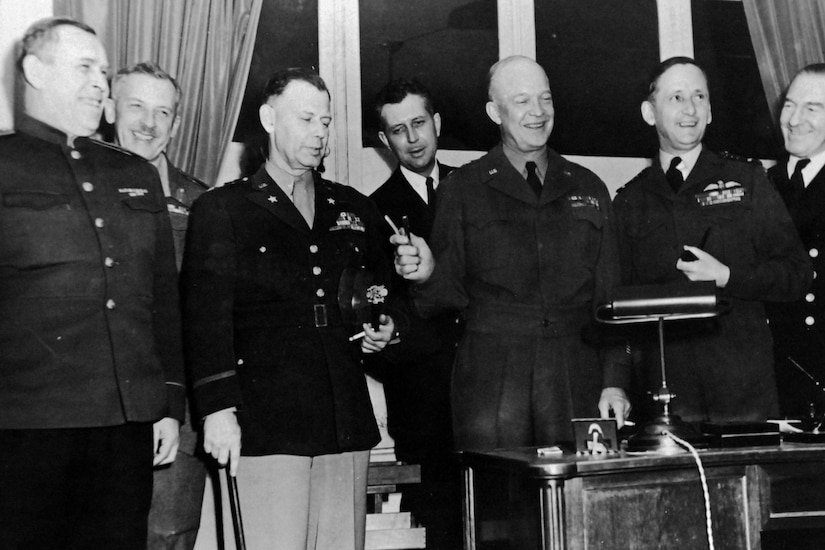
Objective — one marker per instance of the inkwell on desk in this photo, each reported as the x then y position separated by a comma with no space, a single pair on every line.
659,304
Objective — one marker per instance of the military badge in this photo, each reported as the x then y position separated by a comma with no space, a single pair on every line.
583,201
348,220
721,192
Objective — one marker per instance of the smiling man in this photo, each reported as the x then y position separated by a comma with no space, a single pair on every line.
726,214
91,382
145,111
799,327
524,245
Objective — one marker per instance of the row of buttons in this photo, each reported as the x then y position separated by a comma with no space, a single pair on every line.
88,187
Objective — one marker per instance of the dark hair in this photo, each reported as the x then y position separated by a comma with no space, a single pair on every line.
149,68
662,67
397,90
42,32
813,68
278,82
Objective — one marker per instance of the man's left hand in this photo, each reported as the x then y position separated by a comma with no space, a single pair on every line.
166,434
614,399
704,268
376,340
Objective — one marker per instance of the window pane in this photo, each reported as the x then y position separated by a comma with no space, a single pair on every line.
598,55
287,37
741,119
448,45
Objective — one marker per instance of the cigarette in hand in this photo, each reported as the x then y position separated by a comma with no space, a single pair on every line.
394,227
358,336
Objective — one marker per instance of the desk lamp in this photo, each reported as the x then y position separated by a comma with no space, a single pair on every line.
657,304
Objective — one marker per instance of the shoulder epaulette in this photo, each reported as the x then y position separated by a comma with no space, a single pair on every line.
730,156
118,148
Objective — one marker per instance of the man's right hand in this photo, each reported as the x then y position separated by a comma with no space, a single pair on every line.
222,438
413,258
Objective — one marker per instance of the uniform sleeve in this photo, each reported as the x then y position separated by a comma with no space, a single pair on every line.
780,270
614,356
166,318
207,287
444,291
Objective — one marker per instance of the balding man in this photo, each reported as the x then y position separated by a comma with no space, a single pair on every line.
523,241
91,382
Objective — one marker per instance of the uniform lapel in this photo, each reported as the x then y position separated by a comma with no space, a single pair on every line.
265,193
500,174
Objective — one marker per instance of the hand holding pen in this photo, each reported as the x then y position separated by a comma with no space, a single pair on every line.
413,258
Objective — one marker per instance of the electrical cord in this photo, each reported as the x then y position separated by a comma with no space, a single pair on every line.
703,479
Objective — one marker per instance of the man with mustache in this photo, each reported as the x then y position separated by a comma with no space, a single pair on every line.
523,242
145,112
726,214
91,382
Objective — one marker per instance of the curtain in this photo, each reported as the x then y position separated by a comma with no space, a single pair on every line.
786,35
206,45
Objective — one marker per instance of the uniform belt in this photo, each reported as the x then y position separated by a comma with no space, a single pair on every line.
525,320
299,315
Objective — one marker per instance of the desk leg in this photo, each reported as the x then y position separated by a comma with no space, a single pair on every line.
469,510
553,535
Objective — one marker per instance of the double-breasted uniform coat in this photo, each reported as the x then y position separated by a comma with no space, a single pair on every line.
798,327
263,327
528,273
720,370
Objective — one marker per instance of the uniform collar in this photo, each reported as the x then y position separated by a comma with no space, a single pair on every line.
41,130
688,160
519,161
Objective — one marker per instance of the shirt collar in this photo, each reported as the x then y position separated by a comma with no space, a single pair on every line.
415,178
810,171
284,179
519,162
689,159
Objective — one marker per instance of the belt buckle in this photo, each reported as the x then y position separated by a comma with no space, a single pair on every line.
320,315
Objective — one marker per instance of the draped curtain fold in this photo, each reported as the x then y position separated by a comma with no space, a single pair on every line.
786,36
206,45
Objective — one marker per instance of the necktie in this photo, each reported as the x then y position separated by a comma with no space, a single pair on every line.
533,178
301,200
674,175
797,181
430,192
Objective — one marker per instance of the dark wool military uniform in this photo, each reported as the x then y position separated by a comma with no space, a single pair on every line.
90,338
89,323
263,328
798,327
720,370
528,272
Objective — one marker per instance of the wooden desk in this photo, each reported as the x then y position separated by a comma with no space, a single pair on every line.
515,499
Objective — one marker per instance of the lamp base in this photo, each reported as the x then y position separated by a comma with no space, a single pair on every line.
651,436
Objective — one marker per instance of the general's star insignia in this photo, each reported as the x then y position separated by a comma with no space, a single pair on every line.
272,198
331,200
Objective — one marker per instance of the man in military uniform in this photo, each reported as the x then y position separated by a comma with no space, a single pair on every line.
728,216
798,327
416,372
266,340
91,383
144,110
524,243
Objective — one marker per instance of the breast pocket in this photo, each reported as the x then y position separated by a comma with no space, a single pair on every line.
653,252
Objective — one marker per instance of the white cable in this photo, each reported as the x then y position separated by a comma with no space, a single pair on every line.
703,479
